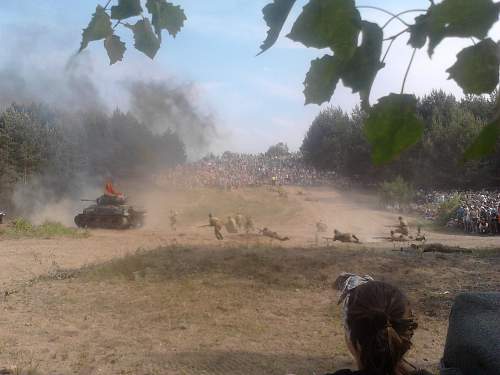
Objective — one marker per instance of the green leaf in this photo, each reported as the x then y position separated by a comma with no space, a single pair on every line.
166,16
126,9
275,15
460,18
419,31
360,72
476,69
485,143
392,126
329,23
144,37
321,80
115,48
98,28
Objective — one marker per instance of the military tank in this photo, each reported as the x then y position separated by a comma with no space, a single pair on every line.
110,212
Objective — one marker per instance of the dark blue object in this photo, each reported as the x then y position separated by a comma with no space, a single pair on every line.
473,341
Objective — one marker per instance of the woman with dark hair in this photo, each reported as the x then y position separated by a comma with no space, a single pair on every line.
379,326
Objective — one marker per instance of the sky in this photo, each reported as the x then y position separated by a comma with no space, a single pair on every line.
255,101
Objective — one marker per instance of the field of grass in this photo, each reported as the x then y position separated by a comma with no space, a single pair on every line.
179,310
22,228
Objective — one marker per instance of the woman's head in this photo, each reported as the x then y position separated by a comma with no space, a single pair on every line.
379,326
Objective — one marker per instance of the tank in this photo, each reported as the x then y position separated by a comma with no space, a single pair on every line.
110,213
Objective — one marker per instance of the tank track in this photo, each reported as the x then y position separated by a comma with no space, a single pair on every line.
106,221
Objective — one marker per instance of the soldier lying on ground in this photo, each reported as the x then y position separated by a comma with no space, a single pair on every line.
345,237
274,235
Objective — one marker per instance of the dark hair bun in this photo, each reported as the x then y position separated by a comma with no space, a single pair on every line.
379,319
381,323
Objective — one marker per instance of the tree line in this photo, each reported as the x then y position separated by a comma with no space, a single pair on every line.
336,141
61,152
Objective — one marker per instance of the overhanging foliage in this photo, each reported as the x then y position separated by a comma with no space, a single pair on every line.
336,25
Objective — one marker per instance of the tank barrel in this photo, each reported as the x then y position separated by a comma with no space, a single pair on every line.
87,200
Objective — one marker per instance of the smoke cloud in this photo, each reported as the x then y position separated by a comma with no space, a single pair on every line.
164,105
40,70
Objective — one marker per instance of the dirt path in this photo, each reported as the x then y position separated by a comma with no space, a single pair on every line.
294,216
24,259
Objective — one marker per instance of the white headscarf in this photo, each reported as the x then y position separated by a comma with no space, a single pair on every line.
345,283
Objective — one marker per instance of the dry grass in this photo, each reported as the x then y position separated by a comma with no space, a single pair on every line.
245,311
22,228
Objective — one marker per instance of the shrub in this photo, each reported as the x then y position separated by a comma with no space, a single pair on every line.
397,191
448,209
51,229
22,227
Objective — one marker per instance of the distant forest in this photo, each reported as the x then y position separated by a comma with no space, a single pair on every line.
58,151
335,141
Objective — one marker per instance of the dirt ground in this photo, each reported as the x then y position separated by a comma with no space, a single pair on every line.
159,301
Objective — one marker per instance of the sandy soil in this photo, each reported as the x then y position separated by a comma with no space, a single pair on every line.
244,305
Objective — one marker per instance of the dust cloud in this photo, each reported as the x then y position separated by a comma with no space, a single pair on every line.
165,105
71,100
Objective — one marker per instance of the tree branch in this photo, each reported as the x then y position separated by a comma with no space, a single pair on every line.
107,4
408,70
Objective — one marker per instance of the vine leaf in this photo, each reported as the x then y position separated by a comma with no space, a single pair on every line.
166,16
115,48
98,28
460,18
145,38
477,67
329,23
392,126
126,9
275,15
419,31
321,80
359,74
485,143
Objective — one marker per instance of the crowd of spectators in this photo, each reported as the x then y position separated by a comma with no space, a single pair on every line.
473,212
234,170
